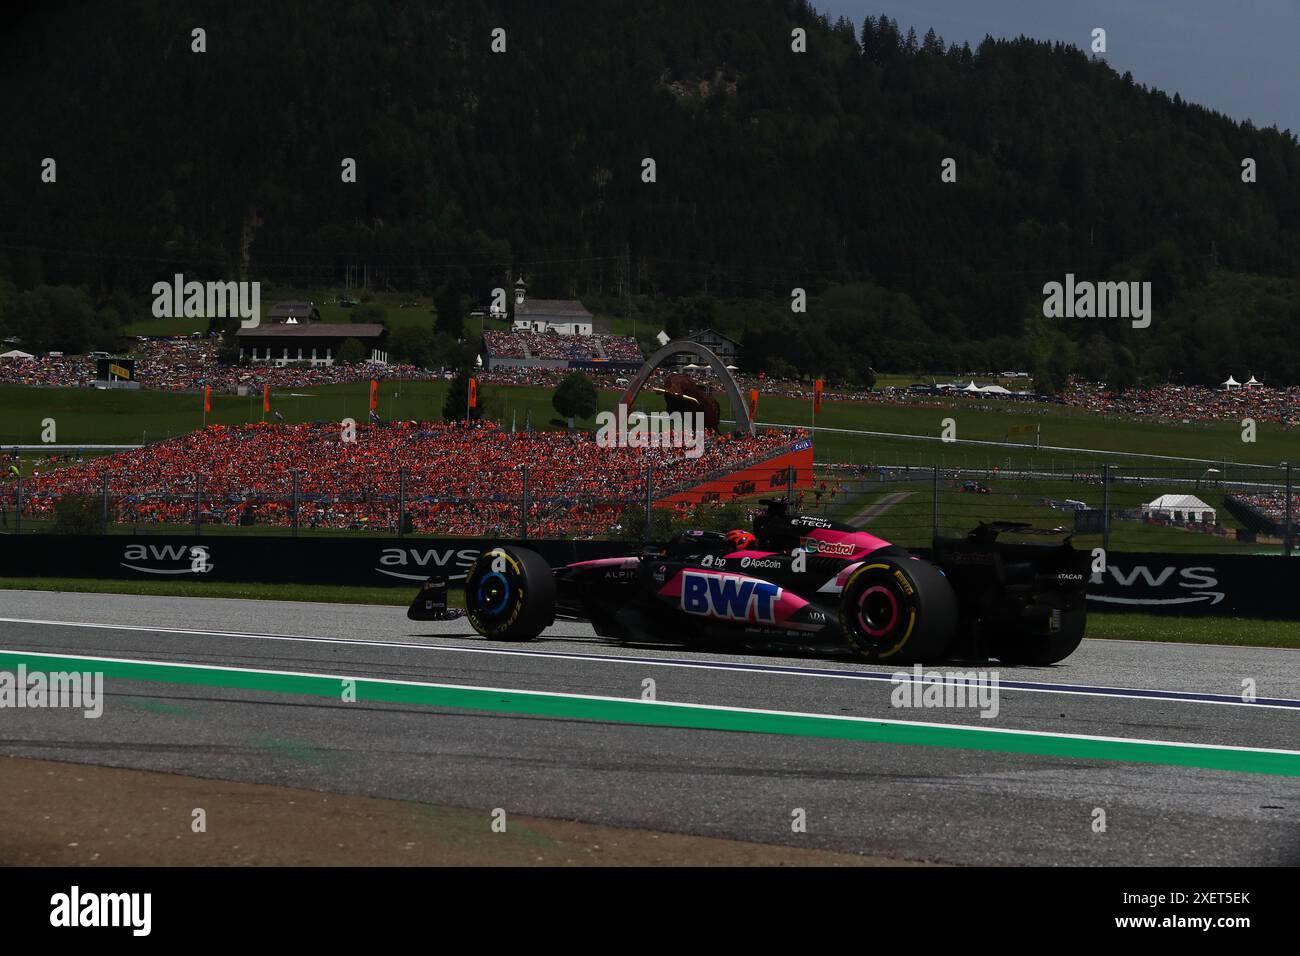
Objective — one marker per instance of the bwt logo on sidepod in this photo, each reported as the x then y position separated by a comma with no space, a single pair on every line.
1197,584
731,597
195,558
427,560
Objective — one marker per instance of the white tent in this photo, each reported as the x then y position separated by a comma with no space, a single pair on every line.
1253,382
16,354
1231,383
995,390
1180,508
972,387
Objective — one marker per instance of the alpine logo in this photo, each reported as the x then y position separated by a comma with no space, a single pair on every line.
730,597
1197,584
195,559
426,560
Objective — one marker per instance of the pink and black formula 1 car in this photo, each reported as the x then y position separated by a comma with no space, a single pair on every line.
798,581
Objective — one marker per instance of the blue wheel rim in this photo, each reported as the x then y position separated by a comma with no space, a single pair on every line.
484,593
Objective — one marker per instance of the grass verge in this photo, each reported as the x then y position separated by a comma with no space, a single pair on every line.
1232,631
227,589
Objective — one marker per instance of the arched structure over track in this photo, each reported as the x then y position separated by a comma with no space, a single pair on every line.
739,409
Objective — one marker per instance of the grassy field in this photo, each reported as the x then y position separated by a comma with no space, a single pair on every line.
92,416
225,589
910,521
89,417
1136,627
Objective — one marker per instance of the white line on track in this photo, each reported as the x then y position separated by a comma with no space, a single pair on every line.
1134,693
687,705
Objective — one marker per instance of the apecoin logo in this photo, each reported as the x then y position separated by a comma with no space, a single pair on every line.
730,597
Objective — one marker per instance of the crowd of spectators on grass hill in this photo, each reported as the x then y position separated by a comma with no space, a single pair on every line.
178,364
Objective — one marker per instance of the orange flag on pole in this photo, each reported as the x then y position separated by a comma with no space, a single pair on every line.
374,395
207,399
473,392
817,397
753,403
266,397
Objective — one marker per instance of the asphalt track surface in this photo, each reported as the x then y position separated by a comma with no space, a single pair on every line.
910,801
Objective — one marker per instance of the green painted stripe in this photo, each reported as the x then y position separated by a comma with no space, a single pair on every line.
662,714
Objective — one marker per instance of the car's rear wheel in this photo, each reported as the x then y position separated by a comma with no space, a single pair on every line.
1042,649
510,594
898,610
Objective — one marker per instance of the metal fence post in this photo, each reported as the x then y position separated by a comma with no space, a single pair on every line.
789,482
295,504
934,518
104,492
18,506
401,501
198,505
1105,507
523,508
1286,527
649,499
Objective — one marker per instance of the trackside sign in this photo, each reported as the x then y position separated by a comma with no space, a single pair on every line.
1233,585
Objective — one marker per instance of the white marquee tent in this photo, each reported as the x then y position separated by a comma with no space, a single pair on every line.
1180,508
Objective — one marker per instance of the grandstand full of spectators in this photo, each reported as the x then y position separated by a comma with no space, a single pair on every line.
460,479
551,346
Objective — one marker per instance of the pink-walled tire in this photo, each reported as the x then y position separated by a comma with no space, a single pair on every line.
898,610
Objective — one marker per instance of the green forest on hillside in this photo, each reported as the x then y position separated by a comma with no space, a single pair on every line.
775,170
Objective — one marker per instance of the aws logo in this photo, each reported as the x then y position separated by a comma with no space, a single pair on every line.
196,559
425,561
730,597
1199,585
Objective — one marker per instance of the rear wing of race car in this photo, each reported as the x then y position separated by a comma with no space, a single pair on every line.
988,532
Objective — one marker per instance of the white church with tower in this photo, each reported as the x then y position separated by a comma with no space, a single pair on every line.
562,316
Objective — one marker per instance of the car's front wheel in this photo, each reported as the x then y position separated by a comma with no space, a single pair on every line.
510,594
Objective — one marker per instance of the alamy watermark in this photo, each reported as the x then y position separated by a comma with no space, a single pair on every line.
655,430
75,690
919,689
1098,300
74,909
208,300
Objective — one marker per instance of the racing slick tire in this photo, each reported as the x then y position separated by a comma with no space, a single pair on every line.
510,594
1044,649
898,610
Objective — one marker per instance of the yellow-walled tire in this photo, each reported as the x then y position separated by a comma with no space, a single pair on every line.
898,610
510,594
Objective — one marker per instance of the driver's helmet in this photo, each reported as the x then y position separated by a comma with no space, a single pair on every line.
740,539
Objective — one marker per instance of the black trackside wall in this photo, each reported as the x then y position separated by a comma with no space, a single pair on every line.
361,562
1215,585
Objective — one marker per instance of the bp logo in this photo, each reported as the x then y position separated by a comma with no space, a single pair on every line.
730,597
